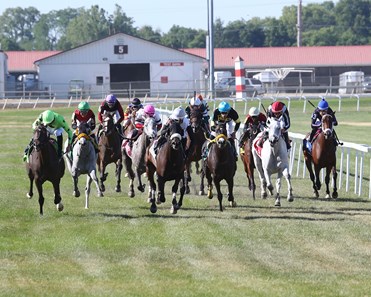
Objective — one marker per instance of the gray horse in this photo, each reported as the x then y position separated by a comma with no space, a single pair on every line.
84,159
135,164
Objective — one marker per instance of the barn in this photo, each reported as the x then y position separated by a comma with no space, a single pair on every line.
122,64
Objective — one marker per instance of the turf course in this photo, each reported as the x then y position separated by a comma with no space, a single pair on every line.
310,247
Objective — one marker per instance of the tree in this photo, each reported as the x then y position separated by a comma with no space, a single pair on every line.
121,23
147,33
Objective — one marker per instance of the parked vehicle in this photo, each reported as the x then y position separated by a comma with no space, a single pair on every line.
366,85
228,89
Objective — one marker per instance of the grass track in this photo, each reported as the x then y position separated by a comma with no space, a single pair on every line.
310,247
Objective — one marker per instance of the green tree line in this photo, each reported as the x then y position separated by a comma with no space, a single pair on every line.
348,22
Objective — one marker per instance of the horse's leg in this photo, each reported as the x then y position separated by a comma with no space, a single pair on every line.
263,182
161,189
220,195
230,183
182,191
87,190
286,174
152,193
202,185
76,191
187,176
327,181
209,184
316,174
103,175
118,176
39,187
128,163
30,192
308,164
57,195
268,178
174,189
197,165
278,188
334,177
93,175
141,187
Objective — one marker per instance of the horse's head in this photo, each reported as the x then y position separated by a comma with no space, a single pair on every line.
221,128
195,119
176,132
84,127
327,125
275,130
108,123
150,127
221,140
40,137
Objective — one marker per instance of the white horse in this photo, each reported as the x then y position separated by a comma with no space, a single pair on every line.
84,159
135,164
274,159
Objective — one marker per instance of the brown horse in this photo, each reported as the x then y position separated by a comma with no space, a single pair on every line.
219,165
197,137
247,157
109,151
169,164
323,156
44,165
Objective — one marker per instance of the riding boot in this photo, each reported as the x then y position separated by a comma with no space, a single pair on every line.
231,141
312,135
59,143
94,141
287,140
27,150
243,138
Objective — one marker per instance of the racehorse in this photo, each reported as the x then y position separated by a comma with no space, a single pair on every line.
323,156
109,151
84,159
248,159
274,159
220,164
44,165
135,164
169,164
197,138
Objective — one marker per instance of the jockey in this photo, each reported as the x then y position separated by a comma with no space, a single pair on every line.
196,103
322,109
148,111
278,110
254,117
55,124
226,114
131,110
83,114
178,115
111,105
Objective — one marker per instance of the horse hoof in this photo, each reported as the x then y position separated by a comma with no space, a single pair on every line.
264,195
149,200
141,188
76,194
335,195
201,193
100,194
60,206
232,203
131,194
290,198
187,191
173,210
103,188
29,196
153,208
118,189
126,174
278,204
327,196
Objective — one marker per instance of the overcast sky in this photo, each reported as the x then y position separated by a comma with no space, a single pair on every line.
163,14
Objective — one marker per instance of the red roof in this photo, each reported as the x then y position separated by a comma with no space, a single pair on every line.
23,61
273,57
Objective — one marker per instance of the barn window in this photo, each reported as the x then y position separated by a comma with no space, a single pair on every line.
99,80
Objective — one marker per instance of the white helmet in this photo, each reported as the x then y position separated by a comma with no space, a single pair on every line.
178,114
195,102
254,112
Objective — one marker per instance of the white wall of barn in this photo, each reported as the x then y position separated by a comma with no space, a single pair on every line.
179,69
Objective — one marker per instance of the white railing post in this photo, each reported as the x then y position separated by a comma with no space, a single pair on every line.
360,174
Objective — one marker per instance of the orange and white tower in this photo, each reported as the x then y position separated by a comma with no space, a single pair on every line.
239,70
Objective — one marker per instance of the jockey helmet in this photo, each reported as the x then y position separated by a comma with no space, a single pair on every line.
323,105
111,99
277,107
83,106
178,114
195,102
149,110
224,107
136,102
199,96
254,112
48,117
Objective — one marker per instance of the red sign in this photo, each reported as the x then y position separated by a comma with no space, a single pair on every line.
172,64
164,79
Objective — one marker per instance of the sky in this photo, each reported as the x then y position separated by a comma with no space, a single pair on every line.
163,14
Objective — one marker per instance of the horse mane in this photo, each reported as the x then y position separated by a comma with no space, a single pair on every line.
195,113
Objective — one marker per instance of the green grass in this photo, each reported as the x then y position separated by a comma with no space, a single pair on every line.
310,247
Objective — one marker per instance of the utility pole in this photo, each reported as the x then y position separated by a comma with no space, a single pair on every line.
299,25
211,47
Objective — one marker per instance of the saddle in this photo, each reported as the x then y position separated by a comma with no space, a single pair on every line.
127,143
